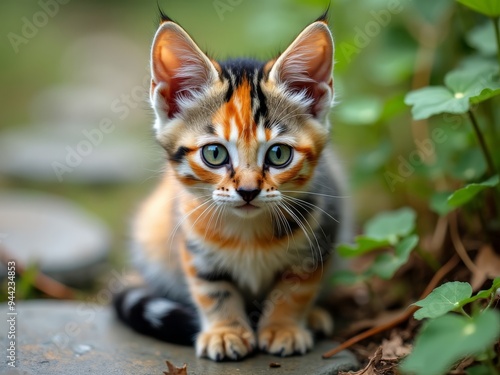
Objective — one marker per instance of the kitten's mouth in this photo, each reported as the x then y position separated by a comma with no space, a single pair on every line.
247,207
247,210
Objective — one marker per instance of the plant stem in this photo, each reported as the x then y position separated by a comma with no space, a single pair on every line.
482,143
462,311
497,34
490,302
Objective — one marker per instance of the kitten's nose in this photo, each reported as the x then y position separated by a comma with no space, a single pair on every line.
248,195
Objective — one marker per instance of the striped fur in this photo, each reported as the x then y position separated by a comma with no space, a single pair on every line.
233,255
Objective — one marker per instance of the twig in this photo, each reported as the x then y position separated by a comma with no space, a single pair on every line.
459,246
438,276
482,144
439,234
42,282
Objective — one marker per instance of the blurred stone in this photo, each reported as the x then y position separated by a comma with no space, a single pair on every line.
84,154
69,106
66,242
95,127
51,335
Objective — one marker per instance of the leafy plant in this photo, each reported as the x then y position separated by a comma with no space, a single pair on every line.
446,338
389,230
456,171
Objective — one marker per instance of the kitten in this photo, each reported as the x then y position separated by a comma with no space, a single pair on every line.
235,242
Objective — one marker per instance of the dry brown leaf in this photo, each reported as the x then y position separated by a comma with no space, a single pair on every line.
464,363
370,367
394,348
173,370
487,267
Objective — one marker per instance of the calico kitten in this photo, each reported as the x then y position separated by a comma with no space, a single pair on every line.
234,243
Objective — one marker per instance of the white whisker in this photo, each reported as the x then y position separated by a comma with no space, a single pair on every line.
319,194
298,200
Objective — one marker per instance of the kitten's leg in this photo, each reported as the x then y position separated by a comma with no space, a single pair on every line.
282,328
226,332
320,321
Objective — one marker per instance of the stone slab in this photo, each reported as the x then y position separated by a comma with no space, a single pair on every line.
64,240
51,153
61,338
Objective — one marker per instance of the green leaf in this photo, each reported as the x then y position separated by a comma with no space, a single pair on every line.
482,38
345,277
496,282
478,370
465,194
463,86
431,11
433,100
361,111
391,225
470,165
484,294
368,163
381,231
439,203
479,62
395,66
477,85
372,160
386,265
444,340
490,8
363,244
484,95
443,299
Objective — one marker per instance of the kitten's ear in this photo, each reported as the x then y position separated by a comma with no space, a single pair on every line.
306,66
179,70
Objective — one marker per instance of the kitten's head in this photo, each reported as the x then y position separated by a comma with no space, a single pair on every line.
242,133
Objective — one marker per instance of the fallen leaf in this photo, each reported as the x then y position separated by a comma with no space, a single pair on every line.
173,370
394,348
487,267
274,365
462,365
370,367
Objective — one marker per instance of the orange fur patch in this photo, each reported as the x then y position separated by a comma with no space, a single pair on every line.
238,110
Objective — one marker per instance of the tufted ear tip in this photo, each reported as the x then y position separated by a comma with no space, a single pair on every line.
179,69
307,64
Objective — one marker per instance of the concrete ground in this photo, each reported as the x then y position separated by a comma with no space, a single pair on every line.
73,338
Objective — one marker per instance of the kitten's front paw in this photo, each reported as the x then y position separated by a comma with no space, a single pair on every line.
285,339
225,342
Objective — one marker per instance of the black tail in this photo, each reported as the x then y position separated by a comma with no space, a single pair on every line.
157,317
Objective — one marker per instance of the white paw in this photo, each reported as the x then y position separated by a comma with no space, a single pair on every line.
285,339
225,342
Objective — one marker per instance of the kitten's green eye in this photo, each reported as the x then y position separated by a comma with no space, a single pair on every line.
214,155
279,155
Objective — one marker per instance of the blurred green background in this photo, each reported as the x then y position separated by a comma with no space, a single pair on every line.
89,54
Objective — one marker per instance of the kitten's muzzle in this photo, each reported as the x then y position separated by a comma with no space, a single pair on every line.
248,195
